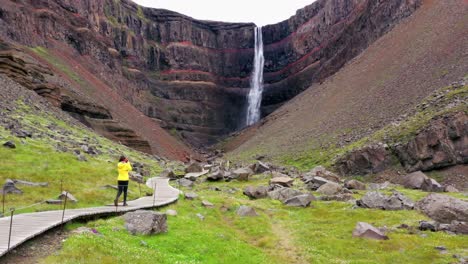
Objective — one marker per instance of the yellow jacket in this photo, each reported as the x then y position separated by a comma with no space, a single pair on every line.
123,168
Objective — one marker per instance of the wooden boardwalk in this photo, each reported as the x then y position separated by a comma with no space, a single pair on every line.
27,226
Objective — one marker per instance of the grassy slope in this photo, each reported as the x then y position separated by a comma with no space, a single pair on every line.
37,160
280,234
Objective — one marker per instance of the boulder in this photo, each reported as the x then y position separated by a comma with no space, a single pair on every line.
242,174
283,181
283,194
171,212
303,200
458,227
450,188
330,188
33,184
365,230
137,177
207,204
185,182
396,201
191,196
145,222
313,183
320,171
10,187
246,211
426,225
341,197
414,180
216,176
9,144
355,185
431,185
70,197
194,167
168,174
259,167
444,208
256,192
193,176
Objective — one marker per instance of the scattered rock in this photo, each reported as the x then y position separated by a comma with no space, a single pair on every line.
284,181
396,201
458,227
242,174
259,167
330,188
193,176
201,216
313,183
185,183
70,197
444,208
194,167
134,176
256,192
145,222
283,194
451,189
191,196
320,171
218,175
10,187
419,180
303,200
425,225
168,174
9,144
171,212
366,230
355,185
431,185
246,211
207,204
34,184
369,159
341,197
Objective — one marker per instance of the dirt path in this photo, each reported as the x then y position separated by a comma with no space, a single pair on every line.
286,244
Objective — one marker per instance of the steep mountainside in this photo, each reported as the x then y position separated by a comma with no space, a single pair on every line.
191,76
425,52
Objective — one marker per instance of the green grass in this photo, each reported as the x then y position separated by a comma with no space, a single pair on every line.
36,159
319,234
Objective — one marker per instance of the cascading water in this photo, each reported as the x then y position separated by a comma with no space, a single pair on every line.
256,81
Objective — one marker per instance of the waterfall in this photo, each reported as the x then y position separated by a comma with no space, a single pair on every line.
256,81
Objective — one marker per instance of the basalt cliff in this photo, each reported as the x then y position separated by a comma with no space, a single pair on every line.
127,70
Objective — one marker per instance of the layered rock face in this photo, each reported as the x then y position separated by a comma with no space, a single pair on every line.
193,76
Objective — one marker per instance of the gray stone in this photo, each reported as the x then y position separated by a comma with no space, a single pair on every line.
216,176
396,201
9,144
191,196
259,167
70,197
303,200
246,211
256,192
185,183
283,181
242,174
194,167
134,176
450,188
425,226
145,222
171,212
207,204
355,185
320,171
283,194
365,230
444,208
193,176
414,180
341,197
330,188
167,174
10,188
431,185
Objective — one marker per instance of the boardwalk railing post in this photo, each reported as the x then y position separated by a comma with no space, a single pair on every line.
64,207
3,201
12,211
154,194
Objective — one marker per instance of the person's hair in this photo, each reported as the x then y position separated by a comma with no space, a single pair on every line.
122,158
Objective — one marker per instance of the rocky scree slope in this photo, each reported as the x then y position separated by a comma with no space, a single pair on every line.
424,53
192,76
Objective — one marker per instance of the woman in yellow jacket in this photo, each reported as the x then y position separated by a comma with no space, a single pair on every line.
123,167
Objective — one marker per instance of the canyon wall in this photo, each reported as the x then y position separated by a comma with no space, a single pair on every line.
192,76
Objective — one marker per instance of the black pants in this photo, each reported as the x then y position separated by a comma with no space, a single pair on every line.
123,188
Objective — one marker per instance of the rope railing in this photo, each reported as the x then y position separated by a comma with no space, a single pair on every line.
64,208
